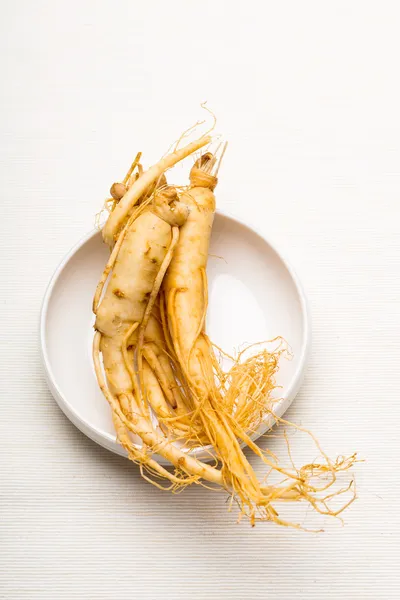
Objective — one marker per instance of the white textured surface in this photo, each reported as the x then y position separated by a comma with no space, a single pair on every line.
308,95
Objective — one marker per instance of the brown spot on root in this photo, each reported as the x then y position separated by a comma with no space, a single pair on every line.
118,293
154,261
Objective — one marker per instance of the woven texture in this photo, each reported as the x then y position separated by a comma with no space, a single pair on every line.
308,95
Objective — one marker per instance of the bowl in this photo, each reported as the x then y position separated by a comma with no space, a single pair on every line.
254,295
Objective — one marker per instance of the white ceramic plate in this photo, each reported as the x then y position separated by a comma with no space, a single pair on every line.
253,295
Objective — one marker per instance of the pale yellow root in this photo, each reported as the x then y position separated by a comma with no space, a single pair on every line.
161,201
147,237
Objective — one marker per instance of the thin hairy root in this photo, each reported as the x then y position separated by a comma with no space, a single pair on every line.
189,130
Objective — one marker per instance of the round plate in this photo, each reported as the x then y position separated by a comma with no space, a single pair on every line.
254,295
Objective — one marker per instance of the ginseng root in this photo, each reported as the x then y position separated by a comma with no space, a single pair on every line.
159,371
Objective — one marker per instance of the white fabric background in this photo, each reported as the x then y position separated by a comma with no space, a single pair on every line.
308,95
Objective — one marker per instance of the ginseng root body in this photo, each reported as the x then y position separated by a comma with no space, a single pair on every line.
156,365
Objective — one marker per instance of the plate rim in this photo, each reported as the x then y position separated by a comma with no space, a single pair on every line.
108,441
